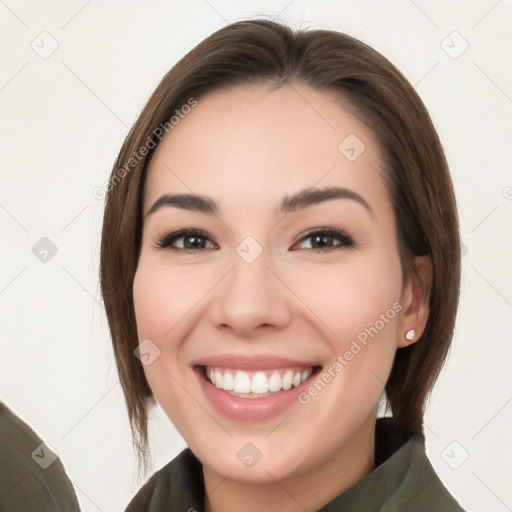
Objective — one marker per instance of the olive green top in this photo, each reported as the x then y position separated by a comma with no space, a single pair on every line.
403,480
32,478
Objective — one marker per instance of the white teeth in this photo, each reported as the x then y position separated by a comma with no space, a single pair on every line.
242,383
287,380
259,384
217,379
228,383
274,383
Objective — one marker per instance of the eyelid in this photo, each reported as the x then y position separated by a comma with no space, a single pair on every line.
347,239
165,239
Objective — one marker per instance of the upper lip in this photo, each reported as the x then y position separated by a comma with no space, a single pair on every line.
256,362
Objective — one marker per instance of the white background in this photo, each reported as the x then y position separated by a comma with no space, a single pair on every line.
62,122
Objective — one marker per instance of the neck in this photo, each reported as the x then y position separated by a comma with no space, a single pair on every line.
329,479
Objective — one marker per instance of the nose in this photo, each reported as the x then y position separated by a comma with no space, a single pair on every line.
251,299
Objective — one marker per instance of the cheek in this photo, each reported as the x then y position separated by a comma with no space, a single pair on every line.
163,297
166,301
354,297
150,304
158,308
358,302
161,300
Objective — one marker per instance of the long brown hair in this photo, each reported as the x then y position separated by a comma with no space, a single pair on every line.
261,51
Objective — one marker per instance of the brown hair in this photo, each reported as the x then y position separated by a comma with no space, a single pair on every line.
261,51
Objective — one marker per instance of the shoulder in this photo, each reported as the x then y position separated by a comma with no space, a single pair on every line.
406,467
403,478
420,489
179,484
31,476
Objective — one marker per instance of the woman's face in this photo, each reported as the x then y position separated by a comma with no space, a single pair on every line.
280,282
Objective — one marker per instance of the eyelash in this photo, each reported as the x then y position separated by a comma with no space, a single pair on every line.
166,239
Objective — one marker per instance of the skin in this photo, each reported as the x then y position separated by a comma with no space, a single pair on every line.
247,148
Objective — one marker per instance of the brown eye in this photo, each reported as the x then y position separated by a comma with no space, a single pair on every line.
186,240
327,239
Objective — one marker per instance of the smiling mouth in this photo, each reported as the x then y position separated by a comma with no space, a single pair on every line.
257,384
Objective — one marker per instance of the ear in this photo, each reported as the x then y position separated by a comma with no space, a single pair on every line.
415,301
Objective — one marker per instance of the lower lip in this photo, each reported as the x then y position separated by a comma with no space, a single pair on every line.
250,409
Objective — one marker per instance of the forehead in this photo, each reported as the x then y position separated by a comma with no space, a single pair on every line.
255,144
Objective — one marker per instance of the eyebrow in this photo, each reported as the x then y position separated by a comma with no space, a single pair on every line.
298,201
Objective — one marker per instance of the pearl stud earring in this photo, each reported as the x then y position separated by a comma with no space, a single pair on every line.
409,335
